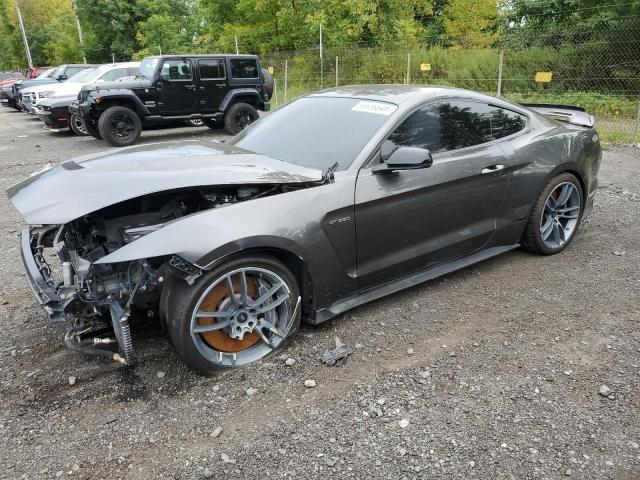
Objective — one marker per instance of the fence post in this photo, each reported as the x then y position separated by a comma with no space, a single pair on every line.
336,70
275,91
637,129
286,78
408,68
321,61
500,73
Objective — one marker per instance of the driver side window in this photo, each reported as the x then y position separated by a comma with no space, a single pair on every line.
176,69
421,129
440,127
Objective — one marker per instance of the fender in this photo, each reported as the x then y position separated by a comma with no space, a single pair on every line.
117,94
282,221
232,94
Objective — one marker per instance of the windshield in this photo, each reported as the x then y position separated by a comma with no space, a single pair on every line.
85,76
47,73
57,72
148,67
317,132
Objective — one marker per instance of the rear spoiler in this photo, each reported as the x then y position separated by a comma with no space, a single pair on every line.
563,113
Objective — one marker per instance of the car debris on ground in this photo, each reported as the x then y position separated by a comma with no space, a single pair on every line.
338,356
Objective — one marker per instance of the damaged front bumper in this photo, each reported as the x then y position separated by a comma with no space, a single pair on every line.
39,278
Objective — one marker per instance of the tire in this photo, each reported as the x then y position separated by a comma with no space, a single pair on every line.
209,353
551,226
238,117
120,126
267,83
92,130
212,124
77,125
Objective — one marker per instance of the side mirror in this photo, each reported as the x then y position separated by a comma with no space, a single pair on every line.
405,158
62,76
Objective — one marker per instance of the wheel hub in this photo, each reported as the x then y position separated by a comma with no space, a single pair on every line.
242,322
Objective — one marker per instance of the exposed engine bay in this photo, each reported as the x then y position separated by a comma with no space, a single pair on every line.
100,301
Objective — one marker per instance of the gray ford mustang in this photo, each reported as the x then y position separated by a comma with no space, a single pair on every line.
336,199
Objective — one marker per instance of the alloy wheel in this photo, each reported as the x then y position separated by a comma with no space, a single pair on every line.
560,215
242,316
79,124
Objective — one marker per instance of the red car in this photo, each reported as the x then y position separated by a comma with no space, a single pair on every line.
33,72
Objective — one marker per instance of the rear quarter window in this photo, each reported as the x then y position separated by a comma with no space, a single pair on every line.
244,68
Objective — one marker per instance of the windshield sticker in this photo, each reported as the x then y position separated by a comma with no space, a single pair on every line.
375,107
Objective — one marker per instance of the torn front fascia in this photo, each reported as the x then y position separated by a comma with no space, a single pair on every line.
187,270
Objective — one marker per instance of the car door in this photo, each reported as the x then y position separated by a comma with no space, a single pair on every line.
213,83
176,88
413,219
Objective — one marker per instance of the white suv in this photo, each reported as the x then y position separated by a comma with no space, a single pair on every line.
104,73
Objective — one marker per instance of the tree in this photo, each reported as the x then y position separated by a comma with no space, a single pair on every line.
51,31
471,23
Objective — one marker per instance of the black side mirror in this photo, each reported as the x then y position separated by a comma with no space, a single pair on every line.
405,158
62,76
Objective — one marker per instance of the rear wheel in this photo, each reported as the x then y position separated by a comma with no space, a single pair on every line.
239,116
555,216
120,126
196,122
77,125
233,315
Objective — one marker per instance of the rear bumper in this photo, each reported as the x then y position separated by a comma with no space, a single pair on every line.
43,292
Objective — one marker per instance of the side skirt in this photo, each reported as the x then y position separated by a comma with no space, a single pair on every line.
402,283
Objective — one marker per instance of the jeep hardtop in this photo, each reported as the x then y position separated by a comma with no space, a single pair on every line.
224,91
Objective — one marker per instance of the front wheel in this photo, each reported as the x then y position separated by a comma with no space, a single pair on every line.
238,117
555,216
92,129
233,315
120,126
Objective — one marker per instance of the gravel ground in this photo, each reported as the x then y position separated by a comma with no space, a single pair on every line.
492,372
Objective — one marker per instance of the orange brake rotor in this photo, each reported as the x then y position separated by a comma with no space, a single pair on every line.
219,339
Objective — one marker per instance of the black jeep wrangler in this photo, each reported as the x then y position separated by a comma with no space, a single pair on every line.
224,91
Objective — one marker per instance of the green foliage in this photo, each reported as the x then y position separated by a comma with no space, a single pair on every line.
51,32
592,47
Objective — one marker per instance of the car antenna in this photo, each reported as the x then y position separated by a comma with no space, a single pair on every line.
328,174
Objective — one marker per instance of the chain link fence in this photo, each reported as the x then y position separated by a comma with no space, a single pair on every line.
581,66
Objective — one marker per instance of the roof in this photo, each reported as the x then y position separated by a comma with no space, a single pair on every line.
402,95
208,55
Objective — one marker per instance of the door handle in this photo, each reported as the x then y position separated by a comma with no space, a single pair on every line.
221,84
190,86
493,169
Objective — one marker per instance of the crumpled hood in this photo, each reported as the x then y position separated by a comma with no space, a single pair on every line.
77,187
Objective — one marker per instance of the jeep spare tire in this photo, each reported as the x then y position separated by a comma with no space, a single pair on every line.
238,117
120,126
267,82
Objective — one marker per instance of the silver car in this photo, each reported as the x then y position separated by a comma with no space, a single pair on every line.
336,199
